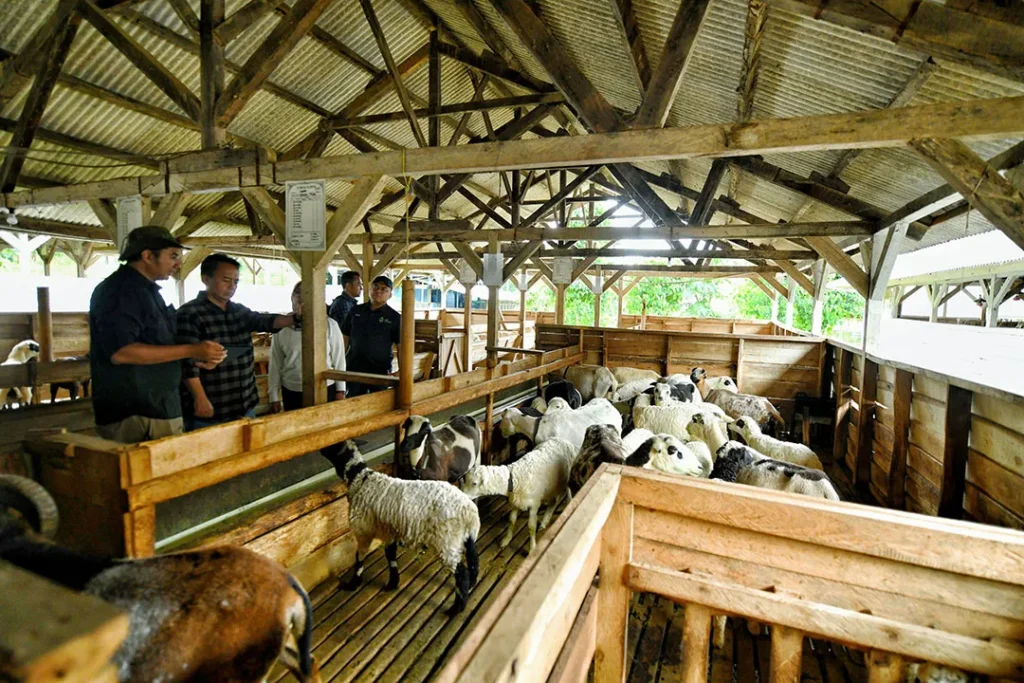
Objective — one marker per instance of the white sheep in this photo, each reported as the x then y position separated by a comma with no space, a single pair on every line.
630,390
743,465
670,419
680,380
433,514
709,431
679,457
556,404
796,453
22,353
541,477
570,425
739,405
930,672
627,375
539,404
592,381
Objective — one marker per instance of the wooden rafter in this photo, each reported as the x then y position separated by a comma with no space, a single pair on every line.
170,210
757,20
666,80
267,57
17,71
841,262
1001,202
349,214
186,14
389,60
80,145
462,107
631,32
201,218
211,72
156,72
38,96
799,278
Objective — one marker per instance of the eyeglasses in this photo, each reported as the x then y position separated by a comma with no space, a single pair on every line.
381,288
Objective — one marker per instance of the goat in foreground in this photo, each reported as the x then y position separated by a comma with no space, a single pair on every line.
217,614
434,514
443,454
23,352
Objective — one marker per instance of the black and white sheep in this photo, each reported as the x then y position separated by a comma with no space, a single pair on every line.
72,386
692,459
743,465
628,391
23,352
627,375
443,454
223,613
540,477
433,514
570,425
740,405
683,388
796,453
699,378
602,444
669,394
565,390
592,381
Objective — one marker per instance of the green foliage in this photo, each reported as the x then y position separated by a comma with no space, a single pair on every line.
752,302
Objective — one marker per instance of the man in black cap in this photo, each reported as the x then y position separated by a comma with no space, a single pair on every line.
135,362
371,332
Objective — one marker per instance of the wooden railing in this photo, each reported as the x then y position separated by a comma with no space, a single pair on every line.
899,586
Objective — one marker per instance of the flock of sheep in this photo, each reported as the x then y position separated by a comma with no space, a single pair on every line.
185,609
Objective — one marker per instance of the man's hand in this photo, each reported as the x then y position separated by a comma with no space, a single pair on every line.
276,407
209,352
203,407
205,366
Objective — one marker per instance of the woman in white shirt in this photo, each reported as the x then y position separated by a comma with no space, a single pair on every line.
285,381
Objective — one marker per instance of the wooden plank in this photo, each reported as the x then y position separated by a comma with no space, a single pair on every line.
902,398
696,639
844,366
613,598
998,483
574,660
982,508
924,494
834,624
954,461
786,655
997,410
924,464
52,633
1002,445
885,667
866,424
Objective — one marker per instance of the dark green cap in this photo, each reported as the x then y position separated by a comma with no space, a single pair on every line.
147,237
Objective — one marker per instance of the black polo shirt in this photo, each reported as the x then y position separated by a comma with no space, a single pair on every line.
127,308
370,337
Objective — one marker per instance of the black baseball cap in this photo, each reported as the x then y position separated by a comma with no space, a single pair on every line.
384,280
147,237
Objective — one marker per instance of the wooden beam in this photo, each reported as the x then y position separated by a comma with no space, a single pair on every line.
994,196
106,214
241,19
956,444
525,252
17,71
156,72
349,214
930,28
78,144
881,128
631,32
769,292
170,210
459,108
796,276
494,67
841,262
204,216
776,285
211,71
667,79
35,103
267,57
389,60
186,14
471,258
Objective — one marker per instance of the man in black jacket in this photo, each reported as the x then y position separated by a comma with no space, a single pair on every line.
372,330
352,288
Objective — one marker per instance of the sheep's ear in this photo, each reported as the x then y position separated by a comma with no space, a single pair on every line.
406,424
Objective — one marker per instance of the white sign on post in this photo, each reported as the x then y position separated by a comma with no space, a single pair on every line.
129,217
492,270
561,273
524,282
597,284
305,215
467,276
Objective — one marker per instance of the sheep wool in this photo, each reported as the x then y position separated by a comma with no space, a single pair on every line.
630,390
628,375
738,405
671,419
743,465
689,459
796,453
560,423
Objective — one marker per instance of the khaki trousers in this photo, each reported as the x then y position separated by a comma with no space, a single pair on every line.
137,428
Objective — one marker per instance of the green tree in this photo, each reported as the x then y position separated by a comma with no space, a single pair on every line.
752,302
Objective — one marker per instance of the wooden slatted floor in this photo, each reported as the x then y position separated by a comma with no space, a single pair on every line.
380,636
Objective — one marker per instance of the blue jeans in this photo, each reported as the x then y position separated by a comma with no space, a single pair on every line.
193,423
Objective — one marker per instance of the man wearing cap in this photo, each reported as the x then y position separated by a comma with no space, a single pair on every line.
134,358
371,330
227,392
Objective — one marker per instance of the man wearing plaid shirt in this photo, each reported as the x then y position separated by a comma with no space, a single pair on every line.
228,391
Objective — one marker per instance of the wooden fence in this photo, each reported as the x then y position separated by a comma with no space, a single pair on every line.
900,587
775,367
928,442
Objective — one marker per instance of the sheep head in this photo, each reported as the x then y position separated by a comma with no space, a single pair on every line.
346,458
556,404
662,394
746,427
478,482
731,458
698,374
508,427
416,430
676,458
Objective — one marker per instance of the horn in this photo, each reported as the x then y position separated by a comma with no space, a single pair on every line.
32,501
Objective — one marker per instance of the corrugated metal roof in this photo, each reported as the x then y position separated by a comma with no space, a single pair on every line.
807,67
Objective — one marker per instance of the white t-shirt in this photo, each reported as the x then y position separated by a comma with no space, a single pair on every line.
286,359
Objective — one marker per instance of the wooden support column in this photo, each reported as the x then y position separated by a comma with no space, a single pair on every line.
45,325
954,458
211,53
935,295
902,397
314,330
367,276
786,654
559,304
844,366
467,343
790,299
597,300
885,247
817,312
696,637
493,312
613,596
407,347
866,424
618,314
522,313
885,667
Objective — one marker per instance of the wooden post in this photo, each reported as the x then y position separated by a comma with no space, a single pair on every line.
211,77
790,298
739,364
902,396
885,667
407,347
597,299
367,265
493,308
618,315
787,653
696,636
954,459
45,325
613,596
643,315
467,346
522,315
314,327
866,426
559,304
844,359
488,457
817,312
